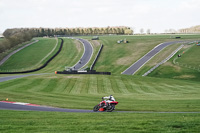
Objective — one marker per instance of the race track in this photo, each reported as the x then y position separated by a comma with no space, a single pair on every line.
2,79
88,51
137,65
4,105
11,106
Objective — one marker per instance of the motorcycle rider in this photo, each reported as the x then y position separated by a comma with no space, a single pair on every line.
108,99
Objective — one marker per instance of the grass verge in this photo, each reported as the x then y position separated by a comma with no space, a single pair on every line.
186,67
4,54
28,121
29,57
85,91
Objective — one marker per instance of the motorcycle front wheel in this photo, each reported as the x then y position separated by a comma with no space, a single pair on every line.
96,108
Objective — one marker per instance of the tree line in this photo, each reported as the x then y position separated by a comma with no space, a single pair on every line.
15,36
194,29
122,30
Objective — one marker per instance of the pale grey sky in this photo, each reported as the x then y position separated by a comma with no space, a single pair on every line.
157,15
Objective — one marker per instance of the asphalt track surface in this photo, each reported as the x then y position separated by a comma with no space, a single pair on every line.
88,51
2,79
10,106
137,65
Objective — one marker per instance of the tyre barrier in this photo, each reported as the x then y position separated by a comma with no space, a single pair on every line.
83,72
44,65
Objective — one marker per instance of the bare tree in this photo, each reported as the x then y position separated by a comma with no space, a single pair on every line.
141,30
148,31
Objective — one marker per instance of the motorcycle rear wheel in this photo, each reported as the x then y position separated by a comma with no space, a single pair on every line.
110,108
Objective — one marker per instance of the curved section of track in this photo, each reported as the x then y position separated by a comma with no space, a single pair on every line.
88,51
10,106
137,65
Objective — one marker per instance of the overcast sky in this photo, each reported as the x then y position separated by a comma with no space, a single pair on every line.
157,15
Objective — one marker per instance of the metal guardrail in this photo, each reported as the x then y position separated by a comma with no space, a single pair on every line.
165,60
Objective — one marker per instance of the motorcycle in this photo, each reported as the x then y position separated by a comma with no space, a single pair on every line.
105,106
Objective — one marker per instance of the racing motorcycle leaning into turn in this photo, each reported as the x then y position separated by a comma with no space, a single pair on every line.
107,104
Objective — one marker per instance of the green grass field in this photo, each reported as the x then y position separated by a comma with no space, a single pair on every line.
69,56
85,91
118,57
27,121
4,54
134,93
186,67
30,57
190,57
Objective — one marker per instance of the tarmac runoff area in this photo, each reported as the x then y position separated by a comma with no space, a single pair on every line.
8,105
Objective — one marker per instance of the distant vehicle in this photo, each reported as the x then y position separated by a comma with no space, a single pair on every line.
198,43
95,38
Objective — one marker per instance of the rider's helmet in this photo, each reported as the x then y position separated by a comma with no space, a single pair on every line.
110,97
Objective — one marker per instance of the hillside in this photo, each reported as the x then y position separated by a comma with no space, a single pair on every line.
118,57
185,67
59,89
170,104
31,57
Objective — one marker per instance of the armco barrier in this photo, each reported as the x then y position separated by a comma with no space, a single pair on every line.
87,72
44,65
165,60
98,54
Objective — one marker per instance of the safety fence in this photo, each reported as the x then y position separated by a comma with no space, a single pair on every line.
86,72
41,67
165,60
95,60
